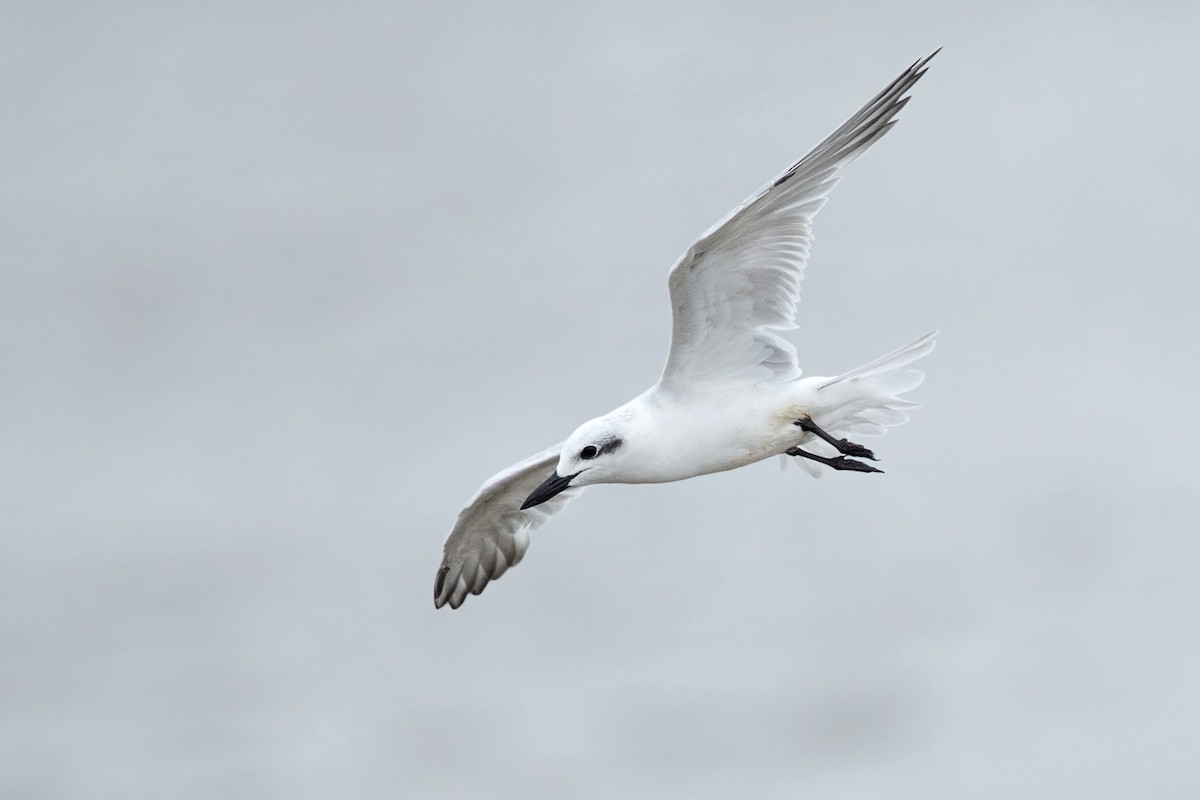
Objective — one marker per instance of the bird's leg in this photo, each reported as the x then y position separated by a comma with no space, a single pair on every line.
843,446
840,462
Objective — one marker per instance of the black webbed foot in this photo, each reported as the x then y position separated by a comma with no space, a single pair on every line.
849,448
839,462
843,446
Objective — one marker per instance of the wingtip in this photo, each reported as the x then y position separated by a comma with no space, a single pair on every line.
439,583
922,65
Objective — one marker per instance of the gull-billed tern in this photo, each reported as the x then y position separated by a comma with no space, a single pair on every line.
731,392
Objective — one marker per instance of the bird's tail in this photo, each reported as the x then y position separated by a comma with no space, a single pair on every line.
866,400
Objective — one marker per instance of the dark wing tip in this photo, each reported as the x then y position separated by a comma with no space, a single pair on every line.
438,585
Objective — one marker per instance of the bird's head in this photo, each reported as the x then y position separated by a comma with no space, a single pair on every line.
593,454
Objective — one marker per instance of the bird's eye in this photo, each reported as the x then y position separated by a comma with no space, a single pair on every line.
588,452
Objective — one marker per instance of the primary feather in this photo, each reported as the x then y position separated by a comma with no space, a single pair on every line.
492,532
741,281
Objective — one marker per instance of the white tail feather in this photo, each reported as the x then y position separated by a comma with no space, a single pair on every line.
866,400
892,361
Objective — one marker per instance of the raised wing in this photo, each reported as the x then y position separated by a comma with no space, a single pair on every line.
741,280
492,532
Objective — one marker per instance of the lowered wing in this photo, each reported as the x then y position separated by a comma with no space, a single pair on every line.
492,532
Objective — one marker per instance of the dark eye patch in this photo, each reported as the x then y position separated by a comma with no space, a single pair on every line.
591,451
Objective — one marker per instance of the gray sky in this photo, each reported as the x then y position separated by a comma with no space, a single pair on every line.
282,284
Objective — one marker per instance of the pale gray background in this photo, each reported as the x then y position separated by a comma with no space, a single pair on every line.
283,283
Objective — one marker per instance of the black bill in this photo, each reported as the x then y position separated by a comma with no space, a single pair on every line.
550,487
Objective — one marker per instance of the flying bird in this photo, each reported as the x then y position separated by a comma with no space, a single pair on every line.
731,392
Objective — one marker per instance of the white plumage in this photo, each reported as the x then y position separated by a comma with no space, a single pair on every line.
731,392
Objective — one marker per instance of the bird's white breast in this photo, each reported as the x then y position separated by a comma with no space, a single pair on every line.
682,438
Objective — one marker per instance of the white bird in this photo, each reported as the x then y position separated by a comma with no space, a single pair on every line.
731,392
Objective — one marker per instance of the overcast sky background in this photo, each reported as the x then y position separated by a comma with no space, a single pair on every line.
282,283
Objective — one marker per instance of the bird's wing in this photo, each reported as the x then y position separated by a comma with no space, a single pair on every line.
492,532
741,280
